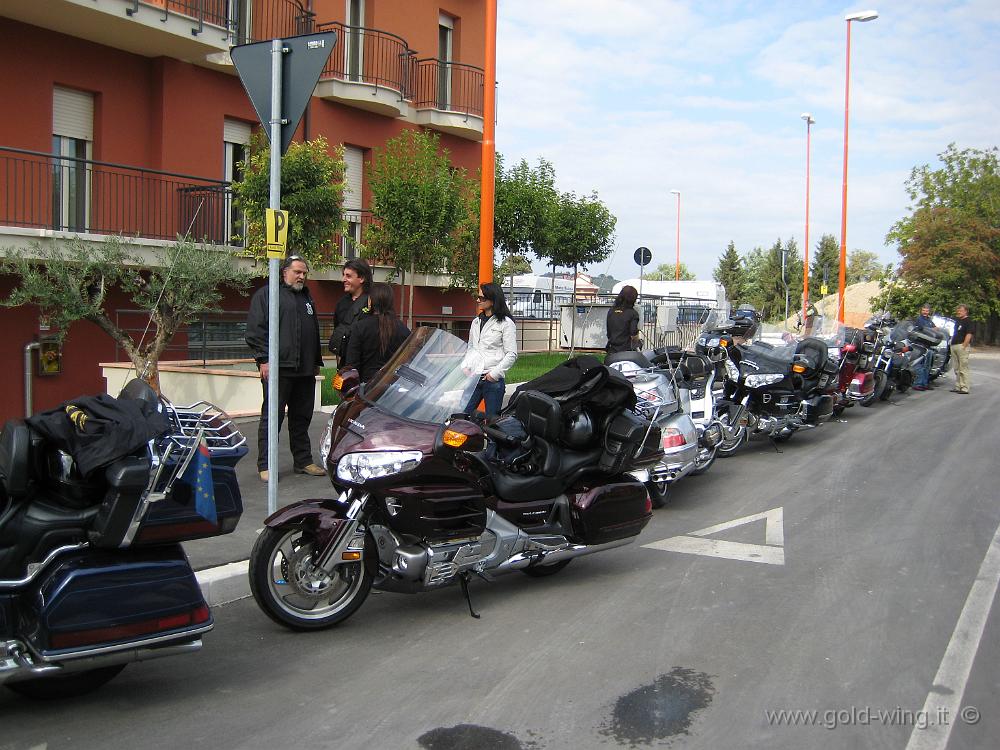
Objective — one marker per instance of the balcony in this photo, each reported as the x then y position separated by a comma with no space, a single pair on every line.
448,96
196,31
47,196
368,69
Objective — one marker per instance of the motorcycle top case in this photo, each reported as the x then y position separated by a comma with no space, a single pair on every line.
98,599
609,512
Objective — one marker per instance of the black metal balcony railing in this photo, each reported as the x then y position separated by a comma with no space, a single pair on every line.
68,194
363,55
448,86
243,20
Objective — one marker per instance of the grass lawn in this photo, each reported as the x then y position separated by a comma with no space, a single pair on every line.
527,367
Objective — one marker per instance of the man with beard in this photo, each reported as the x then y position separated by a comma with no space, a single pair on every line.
299,360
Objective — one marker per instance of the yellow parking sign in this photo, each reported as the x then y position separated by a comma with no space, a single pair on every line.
824,290
276,232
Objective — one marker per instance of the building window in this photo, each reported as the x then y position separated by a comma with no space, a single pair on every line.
236,141
354,161
72,142
446,33
354,43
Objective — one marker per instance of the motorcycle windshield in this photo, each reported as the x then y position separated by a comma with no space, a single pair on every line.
431,377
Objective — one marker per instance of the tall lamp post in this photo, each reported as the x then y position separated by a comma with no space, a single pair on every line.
862,16
677,268
805,273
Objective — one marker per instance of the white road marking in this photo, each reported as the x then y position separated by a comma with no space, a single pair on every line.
772,552
944,700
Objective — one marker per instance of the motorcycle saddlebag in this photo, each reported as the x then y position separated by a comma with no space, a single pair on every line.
817,409
608,512
99,599
624,444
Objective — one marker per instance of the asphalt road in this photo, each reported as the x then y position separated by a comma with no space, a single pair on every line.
860,606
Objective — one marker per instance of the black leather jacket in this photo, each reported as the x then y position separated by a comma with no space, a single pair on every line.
290,344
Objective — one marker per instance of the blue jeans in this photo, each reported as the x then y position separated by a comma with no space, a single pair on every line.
491,393
924,370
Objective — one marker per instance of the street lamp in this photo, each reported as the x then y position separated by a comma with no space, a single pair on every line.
805,274
677,268
862,16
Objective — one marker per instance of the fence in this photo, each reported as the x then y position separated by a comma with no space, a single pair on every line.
363,55
71,194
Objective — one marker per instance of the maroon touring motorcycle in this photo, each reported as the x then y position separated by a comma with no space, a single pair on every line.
427,496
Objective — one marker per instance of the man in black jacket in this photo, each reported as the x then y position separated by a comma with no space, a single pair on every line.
357,281
299,358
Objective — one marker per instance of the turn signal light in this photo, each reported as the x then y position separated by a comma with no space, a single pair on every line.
798,368
338,382
723,343
350,556
454,439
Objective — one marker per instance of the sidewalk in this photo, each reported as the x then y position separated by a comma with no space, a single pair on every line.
221,561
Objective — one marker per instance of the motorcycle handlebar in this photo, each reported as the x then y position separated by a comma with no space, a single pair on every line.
501,437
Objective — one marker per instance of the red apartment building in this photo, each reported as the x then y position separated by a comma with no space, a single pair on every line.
127,117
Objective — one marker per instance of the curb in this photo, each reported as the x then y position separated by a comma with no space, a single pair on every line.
224,583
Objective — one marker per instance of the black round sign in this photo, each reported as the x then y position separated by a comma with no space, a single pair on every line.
643,256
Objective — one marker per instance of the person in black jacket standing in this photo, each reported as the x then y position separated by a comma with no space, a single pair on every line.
357,279
623,322
375,338
299,358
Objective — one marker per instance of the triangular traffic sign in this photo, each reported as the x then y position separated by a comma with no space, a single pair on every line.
772,552
301,67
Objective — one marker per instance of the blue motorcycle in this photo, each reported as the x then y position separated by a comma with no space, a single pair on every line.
92,573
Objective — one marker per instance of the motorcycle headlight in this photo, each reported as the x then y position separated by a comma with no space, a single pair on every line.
732,371
362,466
756,381
324,444
714,341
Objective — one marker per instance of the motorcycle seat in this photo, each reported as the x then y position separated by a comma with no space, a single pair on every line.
523,488
636,358
15,458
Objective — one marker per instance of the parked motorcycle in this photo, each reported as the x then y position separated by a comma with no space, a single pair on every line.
92,575
775,387
941,352
427,496
900,353
658,398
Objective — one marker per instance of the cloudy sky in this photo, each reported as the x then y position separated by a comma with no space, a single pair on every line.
633,98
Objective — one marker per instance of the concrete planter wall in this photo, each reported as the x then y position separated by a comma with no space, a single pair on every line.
231,384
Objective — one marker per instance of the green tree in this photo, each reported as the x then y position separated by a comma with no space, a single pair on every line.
950,243
421,206
312,191
825,262
863,265
605,282
668,272
765,288
513,265
731,274
70,282
525,199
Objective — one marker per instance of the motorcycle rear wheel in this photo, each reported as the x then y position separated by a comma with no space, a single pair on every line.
311,600
544,571
69,685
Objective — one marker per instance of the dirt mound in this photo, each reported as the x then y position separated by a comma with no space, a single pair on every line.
857,305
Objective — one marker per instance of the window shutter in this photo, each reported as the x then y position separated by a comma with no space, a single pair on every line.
353,169
72,113
236,131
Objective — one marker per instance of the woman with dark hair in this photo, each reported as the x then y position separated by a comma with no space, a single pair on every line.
374,338
623,322
492,348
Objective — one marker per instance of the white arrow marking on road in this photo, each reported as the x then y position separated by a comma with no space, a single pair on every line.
772,552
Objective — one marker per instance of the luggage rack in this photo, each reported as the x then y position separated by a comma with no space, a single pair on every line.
203,420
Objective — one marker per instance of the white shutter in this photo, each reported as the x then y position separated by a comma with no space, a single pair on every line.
72,113
235,131
354,160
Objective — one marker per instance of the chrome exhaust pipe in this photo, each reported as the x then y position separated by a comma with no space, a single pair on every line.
551,557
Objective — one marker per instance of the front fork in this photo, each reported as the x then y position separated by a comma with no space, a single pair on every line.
343,543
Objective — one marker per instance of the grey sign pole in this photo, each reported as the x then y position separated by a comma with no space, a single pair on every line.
273,363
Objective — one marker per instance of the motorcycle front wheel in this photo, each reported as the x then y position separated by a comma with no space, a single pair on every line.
296,594
658,493
730,443
706,457
881,390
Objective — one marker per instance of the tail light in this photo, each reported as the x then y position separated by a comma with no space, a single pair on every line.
673,438
133,630
176,532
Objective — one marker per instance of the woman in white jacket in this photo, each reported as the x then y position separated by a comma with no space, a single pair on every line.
493,347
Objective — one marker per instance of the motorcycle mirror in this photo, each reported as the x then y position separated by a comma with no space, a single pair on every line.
346,383
458,436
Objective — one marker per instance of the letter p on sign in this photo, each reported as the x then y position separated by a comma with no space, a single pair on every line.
276,228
